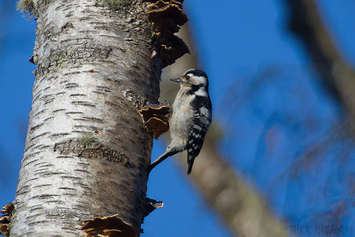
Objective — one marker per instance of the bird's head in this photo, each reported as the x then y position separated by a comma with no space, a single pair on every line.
193,77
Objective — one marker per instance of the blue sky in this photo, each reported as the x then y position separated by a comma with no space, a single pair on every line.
264,91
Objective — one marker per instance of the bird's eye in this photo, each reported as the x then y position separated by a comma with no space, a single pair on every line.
187,77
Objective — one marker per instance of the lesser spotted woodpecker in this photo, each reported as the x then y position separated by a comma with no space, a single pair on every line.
191,115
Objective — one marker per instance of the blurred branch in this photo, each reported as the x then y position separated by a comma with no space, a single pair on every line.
241,207
337,75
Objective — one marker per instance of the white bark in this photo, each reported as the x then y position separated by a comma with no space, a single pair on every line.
87,150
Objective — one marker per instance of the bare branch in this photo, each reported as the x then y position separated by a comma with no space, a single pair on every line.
337,75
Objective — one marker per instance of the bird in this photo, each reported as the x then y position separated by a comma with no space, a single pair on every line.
191,116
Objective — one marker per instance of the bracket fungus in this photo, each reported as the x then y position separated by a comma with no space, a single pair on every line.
166,18
5,219
156,118
151,205
111,226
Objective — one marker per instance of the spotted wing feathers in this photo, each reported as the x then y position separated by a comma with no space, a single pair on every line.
201,122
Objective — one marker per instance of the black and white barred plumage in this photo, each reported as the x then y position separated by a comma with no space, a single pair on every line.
191,117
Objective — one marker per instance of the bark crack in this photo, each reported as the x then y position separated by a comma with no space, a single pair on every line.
89,148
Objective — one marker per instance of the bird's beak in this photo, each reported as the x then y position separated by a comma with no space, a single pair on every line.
176,80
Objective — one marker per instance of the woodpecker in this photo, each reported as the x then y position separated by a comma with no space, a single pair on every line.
191,116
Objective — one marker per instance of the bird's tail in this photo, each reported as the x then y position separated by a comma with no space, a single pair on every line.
190,163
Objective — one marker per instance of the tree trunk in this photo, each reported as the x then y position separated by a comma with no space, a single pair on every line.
87,149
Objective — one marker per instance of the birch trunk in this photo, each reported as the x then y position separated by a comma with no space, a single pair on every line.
87,149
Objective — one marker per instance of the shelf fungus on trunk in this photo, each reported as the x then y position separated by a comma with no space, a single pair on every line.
108,226
151,205
166,18
5,219
156,118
